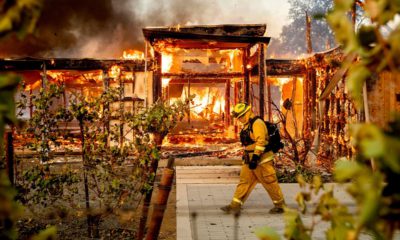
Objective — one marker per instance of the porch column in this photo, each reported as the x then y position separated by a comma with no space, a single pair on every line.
261,70
227,102
246,71
157,85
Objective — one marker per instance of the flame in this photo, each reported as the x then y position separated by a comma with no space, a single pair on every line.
232,55
33,85
114,71
166,62
208,103
55,74
283,81
133,54
165,81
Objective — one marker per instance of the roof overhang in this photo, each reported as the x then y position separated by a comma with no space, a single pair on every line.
176,39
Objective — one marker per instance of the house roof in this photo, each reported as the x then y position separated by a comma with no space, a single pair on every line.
208,37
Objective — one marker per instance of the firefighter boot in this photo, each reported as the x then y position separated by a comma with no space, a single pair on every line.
276,210
231,208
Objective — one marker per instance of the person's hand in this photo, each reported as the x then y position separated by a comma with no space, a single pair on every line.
254,161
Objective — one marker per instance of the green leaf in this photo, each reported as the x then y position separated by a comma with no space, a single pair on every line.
343,5
49,233
370,140
346,170
357,75
267,233
300,179
316,184
294,228
300,201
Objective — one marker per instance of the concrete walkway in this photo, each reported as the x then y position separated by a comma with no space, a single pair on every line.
201,191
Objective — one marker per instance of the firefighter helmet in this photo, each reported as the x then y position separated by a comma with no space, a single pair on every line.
240,109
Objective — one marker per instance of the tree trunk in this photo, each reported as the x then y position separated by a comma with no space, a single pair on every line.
85,181
161,202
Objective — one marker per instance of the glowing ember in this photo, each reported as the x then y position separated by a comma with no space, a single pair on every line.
132,54
114,71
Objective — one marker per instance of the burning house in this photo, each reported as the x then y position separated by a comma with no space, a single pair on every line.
220,66
214,64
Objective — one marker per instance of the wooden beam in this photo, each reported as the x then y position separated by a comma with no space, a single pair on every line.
198,81
157,76
278,67
227,102
246,72
155,35
313,91
69,64
261,71
224,29
202,75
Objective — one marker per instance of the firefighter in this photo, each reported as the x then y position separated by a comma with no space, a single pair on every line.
257,163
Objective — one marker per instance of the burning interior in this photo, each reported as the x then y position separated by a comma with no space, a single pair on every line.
219,65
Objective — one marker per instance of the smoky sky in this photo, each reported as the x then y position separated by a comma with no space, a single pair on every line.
92,28
104,28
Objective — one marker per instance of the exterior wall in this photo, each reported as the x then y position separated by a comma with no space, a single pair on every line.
384,98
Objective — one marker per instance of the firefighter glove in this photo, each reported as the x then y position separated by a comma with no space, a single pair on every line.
254,161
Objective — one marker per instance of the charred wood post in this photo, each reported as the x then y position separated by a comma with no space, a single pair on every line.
246,71
161,202
44,75
313,90
306,112
30,102
308,33
261,70
106,109
338,124
269,102
227,102
121,110
296,131
157,84
44,86
236,100
188,82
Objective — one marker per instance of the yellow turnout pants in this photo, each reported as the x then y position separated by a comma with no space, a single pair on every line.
266,175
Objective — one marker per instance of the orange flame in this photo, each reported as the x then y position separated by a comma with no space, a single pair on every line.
208,103
132,54
114,71
166,62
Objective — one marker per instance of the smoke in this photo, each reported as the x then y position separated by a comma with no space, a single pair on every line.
104,28
87,28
